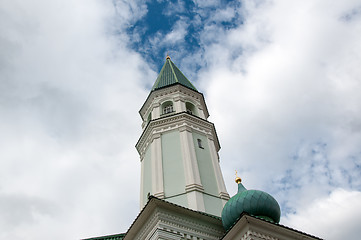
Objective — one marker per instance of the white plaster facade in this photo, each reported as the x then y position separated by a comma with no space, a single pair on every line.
252,228
186,123
161,220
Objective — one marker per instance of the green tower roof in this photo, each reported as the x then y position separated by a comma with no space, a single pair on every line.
170,75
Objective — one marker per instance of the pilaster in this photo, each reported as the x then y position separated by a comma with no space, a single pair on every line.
156,111
189,157
217,171
193,188
142,203
201,113
196,201
179,104
157,167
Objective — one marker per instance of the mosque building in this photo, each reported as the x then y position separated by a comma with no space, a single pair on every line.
183,195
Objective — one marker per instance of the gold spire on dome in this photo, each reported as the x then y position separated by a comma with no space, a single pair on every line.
238,179
168,56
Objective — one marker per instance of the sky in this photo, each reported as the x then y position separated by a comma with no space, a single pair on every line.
281,79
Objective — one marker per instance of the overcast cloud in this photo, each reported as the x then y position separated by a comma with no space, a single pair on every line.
69,95
282,84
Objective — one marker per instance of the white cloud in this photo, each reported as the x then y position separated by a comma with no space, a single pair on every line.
223,15
206,3
174,8
68,106
324,217
283,90
175,37
128,12
177,33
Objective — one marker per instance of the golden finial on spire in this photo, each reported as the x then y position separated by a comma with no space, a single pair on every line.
168,56
238,179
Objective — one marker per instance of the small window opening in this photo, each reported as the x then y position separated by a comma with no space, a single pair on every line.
168,109
200,145
191,109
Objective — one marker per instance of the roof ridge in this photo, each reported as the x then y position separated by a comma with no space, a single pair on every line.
171,66
159,77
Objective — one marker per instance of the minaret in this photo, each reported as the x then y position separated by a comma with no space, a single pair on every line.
179,147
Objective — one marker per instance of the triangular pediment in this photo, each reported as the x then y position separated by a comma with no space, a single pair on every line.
160,219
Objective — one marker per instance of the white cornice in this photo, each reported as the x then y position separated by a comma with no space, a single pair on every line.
173,122
190,226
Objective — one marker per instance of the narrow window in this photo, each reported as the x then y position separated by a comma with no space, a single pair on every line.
191,109
200,143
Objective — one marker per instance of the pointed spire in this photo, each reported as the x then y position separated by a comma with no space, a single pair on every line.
170,75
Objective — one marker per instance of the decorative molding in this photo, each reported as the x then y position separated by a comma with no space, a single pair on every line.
149,226
170,224
159,195
194,187
224,196
191,226
172,122
249,235
185,128
249,227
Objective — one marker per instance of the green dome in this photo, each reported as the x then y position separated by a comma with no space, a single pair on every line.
254,202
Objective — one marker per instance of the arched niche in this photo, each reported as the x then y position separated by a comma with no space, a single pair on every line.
191,109
167,107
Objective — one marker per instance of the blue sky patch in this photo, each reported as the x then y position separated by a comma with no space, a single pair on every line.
176,27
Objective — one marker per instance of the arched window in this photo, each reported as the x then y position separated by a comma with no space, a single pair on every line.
191,109
167,107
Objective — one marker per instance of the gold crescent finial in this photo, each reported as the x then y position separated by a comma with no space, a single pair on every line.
238,179
168,56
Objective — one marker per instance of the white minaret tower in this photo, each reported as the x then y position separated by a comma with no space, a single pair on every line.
179,147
